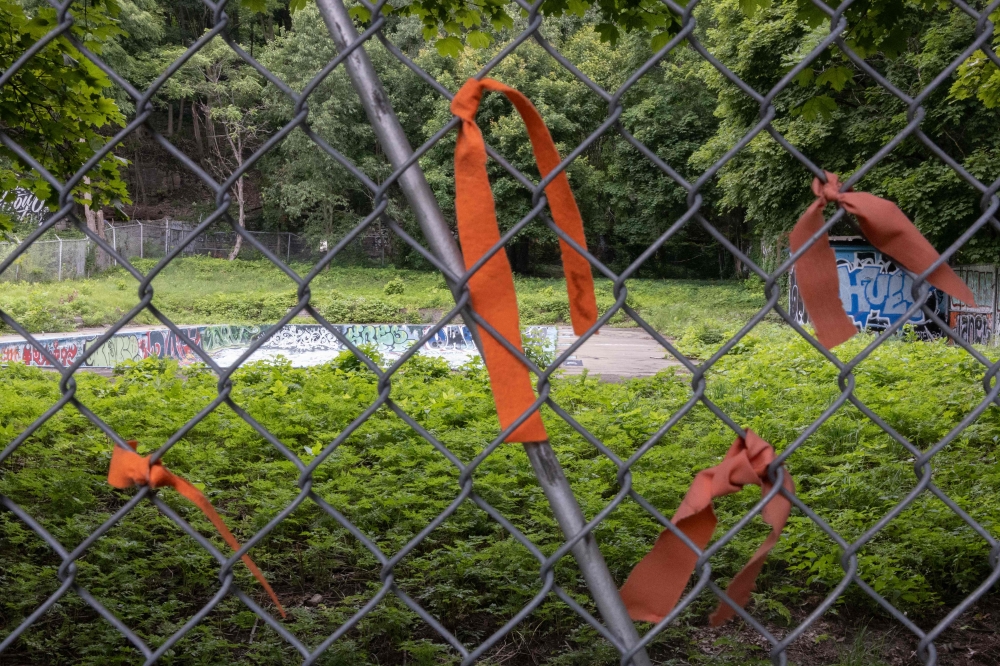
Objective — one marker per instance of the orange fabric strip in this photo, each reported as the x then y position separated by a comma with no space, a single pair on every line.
130,469
887,228
657,582
492,287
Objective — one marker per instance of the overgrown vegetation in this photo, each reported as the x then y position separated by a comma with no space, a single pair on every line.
217,109
200,290
468,572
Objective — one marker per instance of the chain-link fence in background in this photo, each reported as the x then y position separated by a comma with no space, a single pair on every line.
155,239
48,260
443,255
53,259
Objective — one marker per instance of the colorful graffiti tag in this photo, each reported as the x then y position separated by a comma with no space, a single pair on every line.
127,346
874,291
227,343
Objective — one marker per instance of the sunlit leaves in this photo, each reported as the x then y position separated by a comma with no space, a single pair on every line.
55,106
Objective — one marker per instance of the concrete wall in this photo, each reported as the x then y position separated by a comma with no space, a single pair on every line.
874,291
134,345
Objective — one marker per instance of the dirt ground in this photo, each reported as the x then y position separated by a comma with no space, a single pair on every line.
847,639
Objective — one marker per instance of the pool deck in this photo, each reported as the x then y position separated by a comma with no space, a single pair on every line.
616,354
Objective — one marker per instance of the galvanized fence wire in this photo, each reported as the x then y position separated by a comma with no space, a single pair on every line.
990,204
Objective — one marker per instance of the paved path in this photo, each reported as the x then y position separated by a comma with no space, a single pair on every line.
616,354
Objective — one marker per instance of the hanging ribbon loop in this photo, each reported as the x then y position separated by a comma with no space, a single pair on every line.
130,469
657,582
887,228
492,286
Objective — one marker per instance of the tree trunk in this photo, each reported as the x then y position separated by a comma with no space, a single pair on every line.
170,119
180,117
197,129
210,128
241,218
95,223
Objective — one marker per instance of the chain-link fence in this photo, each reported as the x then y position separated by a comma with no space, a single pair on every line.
155,239
440,250
51,259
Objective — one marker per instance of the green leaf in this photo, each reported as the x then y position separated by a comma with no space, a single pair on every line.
821,106
297,5
478,39
360,13
751,7
835,77
660,40
255,6
449,46
608,32
578,7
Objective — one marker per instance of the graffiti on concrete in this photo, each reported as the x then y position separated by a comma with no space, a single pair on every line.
64,351
218,337
305,343
126,346
977,324
973,327
874,291
23,204
135,346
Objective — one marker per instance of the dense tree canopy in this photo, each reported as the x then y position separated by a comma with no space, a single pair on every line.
683,109
55,106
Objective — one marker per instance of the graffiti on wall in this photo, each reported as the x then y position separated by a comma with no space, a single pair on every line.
874,291
213,338
127,346
973,327
135,346
228,342
22,204
64,351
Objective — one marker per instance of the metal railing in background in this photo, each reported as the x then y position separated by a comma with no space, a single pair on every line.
442,252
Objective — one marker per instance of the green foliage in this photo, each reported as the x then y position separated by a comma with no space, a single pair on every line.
55,106
839,117
394,287
202,290
469,573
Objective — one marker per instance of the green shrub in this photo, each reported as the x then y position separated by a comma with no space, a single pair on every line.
394,286
469,573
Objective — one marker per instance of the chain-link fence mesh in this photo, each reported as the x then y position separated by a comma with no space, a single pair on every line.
48,260
279,250
155,239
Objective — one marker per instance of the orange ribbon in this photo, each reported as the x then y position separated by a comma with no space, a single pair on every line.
656,583
887,228
492,287
130,469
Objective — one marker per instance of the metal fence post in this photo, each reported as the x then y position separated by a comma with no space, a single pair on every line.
114,240
140,241
59,270
442,243
166,236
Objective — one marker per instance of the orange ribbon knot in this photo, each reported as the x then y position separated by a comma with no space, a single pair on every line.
492,286
657,582
887,228
130,469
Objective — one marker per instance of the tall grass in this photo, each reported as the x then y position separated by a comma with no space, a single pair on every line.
200,290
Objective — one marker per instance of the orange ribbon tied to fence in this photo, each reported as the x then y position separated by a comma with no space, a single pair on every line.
657,582
130,469
887,228
492,286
